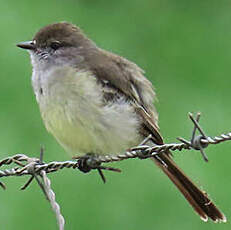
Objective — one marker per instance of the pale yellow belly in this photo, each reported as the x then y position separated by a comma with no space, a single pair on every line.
111,130
72,110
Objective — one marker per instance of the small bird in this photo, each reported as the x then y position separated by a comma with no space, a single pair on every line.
95,102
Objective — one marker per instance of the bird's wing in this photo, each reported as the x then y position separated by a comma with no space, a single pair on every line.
127,78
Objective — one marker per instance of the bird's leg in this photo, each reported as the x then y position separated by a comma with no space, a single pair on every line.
90,161
87,162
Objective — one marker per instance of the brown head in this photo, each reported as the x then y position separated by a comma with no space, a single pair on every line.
60,34
56,40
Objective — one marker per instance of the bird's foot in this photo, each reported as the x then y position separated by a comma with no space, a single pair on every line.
90,161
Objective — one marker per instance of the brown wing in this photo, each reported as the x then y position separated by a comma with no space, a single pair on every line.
127,78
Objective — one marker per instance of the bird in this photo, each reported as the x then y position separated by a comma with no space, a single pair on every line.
95,102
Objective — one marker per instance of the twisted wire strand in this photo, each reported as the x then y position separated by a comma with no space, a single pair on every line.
51,197
56,165
143,151
17,157
217,139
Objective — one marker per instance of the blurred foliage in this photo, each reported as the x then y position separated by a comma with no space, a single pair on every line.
185,48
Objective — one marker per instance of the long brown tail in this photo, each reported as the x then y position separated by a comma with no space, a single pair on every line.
197,198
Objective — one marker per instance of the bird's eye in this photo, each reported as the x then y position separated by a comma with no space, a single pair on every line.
55,45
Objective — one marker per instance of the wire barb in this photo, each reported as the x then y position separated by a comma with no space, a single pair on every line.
196,141
40,176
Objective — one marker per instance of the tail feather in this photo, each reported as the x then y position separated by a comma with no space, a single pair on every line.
197,198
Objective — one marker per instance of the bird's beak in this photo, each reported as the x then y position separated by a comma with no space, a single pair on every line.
29,45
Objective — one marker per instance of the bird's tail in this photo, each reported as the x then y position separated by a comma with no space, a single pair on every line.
197,198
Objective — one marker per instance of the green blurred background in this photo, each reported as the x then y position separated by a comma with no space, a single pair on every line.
185,48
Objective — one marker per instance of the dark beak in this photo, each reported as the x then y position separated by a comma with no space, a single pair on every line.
30,45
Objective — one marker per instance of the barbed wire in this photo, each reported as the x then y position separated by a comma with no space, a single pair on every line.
39,170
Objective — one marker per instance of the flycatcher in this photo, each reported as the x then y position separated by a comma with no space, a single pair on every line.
96,102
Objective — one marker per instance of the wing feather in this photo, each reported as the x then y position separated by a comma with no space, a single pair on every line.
128,79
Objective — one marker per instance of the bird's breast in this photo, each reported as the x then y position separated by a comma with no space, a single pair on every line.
71,106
